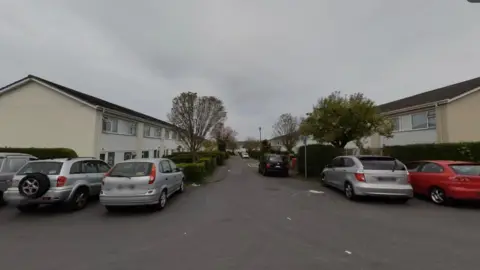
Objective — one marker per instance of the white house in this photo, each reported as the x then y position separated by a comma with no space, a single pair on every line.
35,112
277,143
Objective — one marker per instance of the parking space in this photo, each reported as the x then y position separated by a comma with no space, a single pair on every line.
246,221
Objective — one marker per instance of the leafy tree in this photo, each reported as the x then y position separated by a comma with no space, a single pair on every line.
338,119
286,129
232,145
265,146
194,117
251,144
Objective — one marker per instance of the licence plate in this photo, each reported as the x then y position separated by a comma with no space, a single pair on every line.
277,166
386,179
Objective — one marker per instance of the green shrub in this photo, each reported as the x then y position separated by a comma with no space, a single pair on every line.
255,154
318,155
194,172
43,153
466,151
209,164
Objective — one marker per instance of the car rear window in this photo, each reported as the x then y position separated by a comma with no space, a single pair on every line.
276,158
45,167
381,163
131,169
466,169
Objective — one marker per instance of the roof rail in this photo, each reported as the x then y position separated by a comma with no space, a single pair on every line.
80,157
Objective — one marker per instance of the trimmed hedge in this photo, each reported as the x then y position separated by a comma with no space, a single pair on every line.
467,151
186,157
42,153
318,155
194,172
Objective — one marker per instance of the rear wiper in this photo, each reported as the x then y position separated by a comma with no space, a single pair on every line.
119,175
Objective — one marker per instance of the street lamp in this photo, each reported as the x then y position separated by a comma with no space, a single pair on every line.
260,131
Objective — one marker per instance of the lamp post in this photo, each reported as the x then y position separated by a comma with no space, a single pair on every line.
260,131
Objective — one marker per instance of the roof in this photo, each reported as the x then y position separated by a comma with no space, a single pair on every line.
446,162
296,133
90,99
443,93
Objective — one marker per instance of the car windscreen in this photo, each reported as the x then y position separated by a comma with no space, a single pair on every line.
466,169
45,167
276,158
131,169
381,163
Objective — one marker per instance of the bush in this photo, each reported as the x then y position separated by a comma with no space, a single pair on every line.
194,172
318,155
209,163
187,157
467,151
43,153
255,154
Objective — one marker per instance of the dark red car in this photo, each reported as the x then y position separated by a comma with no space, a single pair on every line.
445,180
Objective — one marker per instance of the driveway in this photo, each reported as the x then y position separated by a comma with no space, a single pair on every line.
246,222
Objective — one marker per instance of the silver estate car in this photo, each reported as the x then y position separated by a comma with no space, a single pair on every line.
10,163
70,181
368,176
147,182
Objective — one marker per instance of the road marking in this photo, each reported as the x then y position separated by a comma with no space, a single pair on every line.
316,191
252,165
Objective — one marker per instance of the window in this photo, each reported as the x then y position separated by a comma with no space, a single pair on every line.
172,166
396,123
131,169
14,164
132,130
337,162
111,158
348,162
155,153
432,119
110,125
381,163
413,166
76,168
167,134
146,131
145,154
174,135
165,165
158,132
419,120
102,166
89,167
102,156
45,167
127,155
466,169
431,168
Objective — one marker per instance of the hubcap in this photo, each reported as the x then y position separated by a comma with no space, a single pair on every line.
437,195
30,187
348,191
81,199
163,199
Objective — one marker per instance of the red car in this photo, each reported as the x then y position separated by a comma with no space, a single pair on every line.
445,180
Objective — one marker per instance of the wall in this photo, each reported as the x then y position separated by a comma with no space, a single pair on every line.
34,115
462,119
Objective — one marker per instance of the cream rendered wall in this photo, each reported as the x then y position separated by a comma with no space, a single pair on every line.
462,116
34,115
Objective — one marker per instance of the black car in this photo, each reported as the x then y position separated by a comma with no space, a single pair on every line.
273,164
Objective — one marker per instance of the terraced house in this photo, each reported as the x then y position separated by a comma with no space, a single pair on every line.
447,114
35,112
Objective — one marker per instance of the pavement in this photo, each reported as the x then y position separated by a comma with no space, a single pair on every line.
249,222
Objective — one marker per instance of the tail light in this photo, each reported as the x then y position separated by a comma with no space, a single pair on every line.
105,175
61,180
409,178
268,165
360,177
153,174
459,179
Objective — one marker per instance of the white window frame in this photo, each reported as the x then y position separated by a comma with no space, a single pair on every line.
147,131
431,115
167,134
109,125
132,129
428,116
396,128
158,132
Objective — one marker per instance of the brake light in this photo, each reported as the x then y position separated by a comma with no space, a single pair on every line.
61,180
268,165
108,173
459,179
409,178
153,174
360,177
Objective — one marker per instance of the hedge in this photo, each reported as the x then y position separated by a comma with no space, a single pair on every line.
466,151
42,153
318,155
187,157
194,172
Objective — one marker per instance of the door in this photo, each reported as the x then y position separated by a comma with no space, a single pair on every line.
428,175
177,175
347,171
335,173
167,176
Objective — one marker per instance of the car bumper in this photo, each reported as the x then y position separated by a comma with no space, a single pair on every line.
462,193
12,196
385,191
112,200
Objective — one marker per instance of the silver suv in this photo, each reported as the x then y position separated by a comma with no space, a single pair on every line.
10,163
69,181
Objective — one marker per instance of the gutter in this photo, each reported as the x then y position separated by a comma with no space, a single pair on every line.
129,116
417,107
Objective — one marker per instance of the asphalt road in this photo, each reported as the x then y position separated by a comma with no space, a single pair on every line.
246,222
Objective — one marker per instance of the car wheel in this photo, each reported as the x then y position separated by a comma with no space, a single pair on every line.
349,191
162,201
438,196
34,185
182,187
27,208
2,201
79,199
322,180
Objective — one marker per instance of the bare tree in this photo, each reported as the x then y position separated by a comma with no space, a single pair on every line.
194,117
286,129
224,133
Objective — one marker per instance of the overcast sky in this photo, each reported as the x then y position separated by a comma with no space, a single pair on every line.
261,57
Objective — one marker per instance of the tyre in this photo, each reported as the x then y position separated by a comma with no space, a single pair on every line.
286,174
438,196
162,201
349,191
182,187
322,180
79,199
2,201
27,208
34,185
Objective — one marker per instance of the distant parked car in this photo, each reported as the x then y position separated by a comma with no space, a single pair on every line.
273,164
245,155
144,182
10,163
368,176
444,181
70,181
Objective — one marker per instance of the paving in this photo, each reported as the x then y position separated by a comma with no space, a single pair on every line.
246,221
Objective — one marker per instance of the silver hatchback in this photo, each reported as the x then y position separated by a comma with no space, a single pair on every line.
146,182
368,176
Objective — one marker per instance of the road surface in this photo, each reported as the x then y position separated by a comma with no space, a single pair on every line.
246,222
